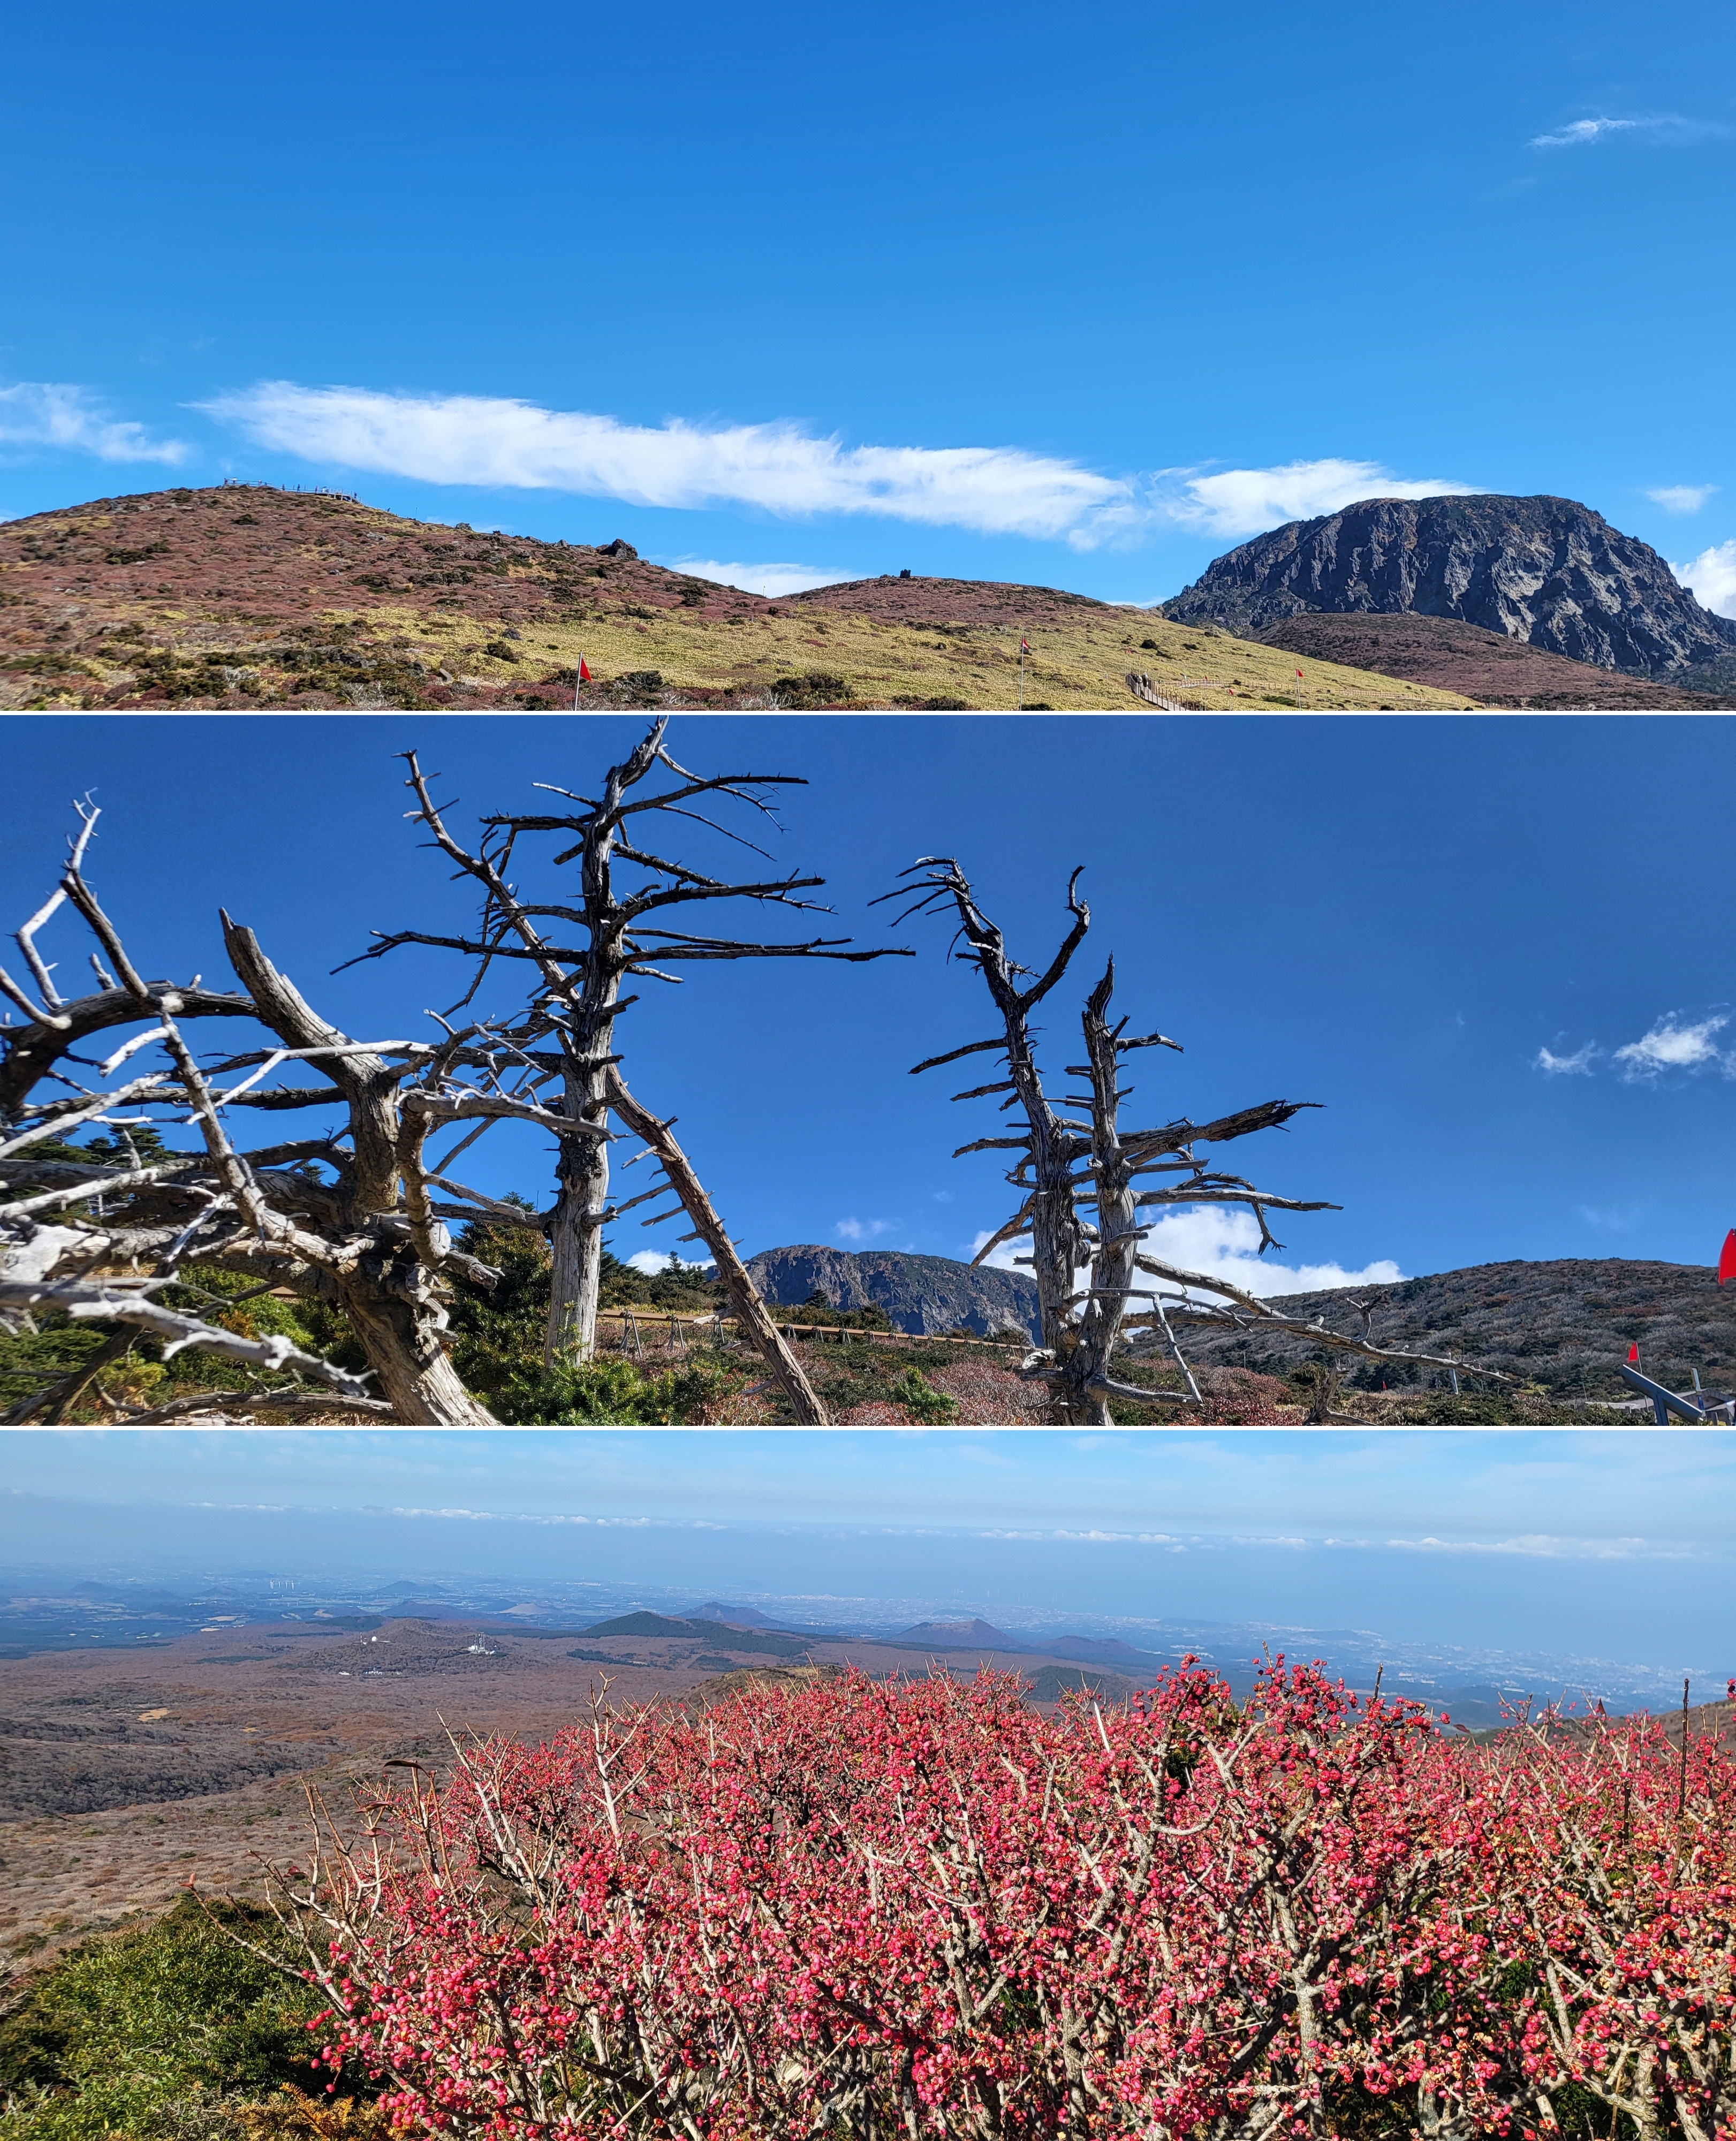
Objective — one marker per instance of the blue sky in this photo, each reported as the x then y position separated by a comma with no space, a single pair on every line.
1496,950
1612,1545
1074,298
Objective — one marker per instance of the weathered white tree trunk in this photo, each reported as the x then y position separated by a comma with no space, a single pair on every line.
385,1289
575,1224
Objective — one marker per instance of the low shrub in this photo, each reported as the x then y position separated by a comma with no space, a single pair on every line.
911,1389
819,687
608,1390
137,2033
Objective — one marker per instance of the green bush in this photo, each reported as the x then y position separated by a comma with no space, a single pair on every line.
638,688
911,1389
129,2034
606,1390
819,687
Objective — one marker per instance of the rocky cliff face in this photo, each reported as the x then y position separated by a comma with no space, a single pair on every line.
922,1294
1544,570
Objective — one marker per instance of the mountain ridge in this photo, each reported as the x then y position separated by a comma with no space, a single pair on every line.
1564,1323
923,1295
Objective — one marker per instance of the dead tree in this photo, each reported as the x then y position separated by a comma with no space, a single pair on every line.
1087,1270
566,1034
101,1240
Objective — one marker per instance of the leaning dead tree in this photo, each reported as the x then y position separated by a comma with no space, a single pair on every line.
565,1033
1088,1269
351,1216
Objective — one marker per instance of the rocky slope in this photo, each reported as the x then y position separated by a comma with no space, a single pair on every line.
922,1294
1545,570
1452,656
1564,1324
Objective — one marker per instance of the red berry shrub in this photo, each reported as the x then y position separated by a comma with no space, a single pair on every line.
925,1908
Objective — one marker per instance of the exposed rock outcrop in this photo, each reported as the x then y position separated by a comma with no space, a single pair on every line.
1545,570
922,1294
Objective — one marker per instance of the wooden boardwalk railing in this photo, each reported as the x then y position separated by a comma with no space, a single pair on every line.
632,1326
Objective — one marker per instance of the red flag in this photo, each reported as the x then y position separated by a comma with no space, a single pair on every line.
1727,1260
585,675
1024,646
1634,1354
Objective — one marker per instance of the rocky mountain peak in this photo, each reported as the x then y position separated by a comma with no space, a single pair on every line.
922,1294
1545,570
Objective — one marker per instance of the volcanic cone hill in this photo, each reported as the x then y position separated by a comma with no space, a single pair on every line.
1546,571
248,597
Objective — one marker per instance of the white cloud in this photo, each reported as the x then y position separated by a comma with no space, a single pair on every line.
653,1261
1544,1546
1712,578
1665,128
1681,497
864,1230
1670,1046
1220,1242
1582,132
778,468
1612,1218
1243,501
773,580
1575,1066
774,468
40,413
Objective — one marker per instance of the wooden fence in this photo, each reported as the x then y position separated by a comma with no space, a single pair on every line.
633,1330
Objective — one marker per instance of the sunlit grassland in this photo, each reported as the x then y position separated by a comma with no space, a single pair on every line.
1082,666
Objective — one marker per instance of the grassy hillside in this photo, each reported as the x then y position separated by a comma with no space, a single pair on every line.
247,597
1495,670
1561,1327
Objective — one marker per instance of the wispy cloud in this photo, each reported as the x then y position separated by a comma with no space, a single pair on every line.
40,413
1666,129
1242,501
1682,497
1711,578
865,1230
1575,1066
773,580
779,468
1220,1243
1543,1546
774,468
1671,1045
653,1261
1610,1219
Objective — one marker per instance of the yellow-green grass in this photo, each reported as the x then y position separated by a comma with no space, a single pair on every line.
1083,665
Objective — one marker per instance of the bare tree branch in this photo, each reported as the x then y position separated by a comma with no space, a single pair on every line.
756,1324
